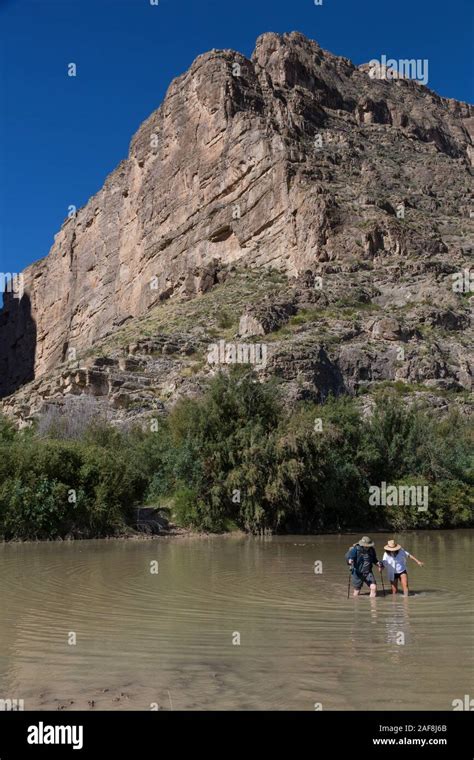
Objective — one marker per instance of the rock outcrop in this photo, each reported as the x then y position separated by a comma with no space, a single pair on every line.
296,161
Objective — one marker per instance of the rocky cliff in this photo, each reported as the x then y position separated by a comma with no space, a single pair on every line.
355,190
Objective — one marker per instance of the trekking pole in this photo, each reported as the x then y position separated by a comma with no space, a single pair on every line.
349,582
381,578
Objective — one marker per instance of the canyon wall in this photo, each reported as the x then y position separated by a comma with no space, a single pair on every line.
295,159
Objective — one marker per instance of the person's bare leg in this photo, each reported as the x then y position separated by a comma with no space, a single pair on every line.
394,585
356,591
404,579
373,589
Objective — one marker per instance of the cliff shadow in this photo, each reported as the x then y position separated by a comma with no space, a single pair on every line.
17,343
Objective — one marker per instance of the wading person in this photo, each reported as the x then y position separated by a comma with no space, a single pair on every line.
395,560
361,557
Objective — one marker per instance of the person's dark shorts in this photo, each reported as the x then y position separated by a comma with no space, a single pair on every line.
359,580
399,575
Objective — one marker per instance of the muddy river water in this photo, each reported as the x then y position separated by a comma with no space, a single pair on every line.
233,623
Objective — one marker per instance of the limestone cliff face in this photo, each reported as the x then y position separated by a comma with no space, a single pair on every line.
293,159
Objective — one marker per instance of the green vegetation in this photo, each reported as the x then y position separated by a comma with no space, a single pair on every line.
239,458
209,311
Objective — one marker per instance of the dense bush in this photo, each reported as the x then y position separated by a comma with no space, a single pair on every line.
238,458
54,488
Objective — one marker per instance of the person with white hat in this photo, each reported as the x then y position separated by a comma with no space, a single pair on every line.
361,557
395,560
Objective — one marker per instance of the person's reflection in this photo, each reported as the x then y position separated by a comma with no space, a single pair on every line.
397,626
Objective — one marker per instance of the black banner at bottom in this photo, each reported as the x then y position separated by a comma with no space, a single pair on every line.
133,734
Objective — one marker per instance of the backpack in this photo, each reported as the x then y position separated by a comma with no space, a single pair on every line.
357,548
358,553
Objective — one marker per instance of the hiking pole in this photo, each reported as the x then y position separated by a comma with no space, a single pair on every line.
349,583
381,578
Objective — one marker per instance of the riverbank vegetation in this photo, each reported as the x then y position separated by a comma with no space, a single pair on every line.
238,458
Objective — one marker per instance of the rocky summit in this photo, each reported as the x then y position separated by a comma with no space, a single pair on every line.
292,211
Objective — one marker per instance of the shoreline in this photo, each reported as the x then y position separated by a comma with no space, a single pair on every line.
179,532
176,532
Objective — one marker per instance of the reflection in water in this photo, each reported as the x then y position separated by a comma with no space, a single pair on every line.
373,609
170,638
397,625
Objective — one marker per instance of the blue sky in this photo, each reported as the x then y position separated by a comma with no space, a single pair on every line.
60,136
